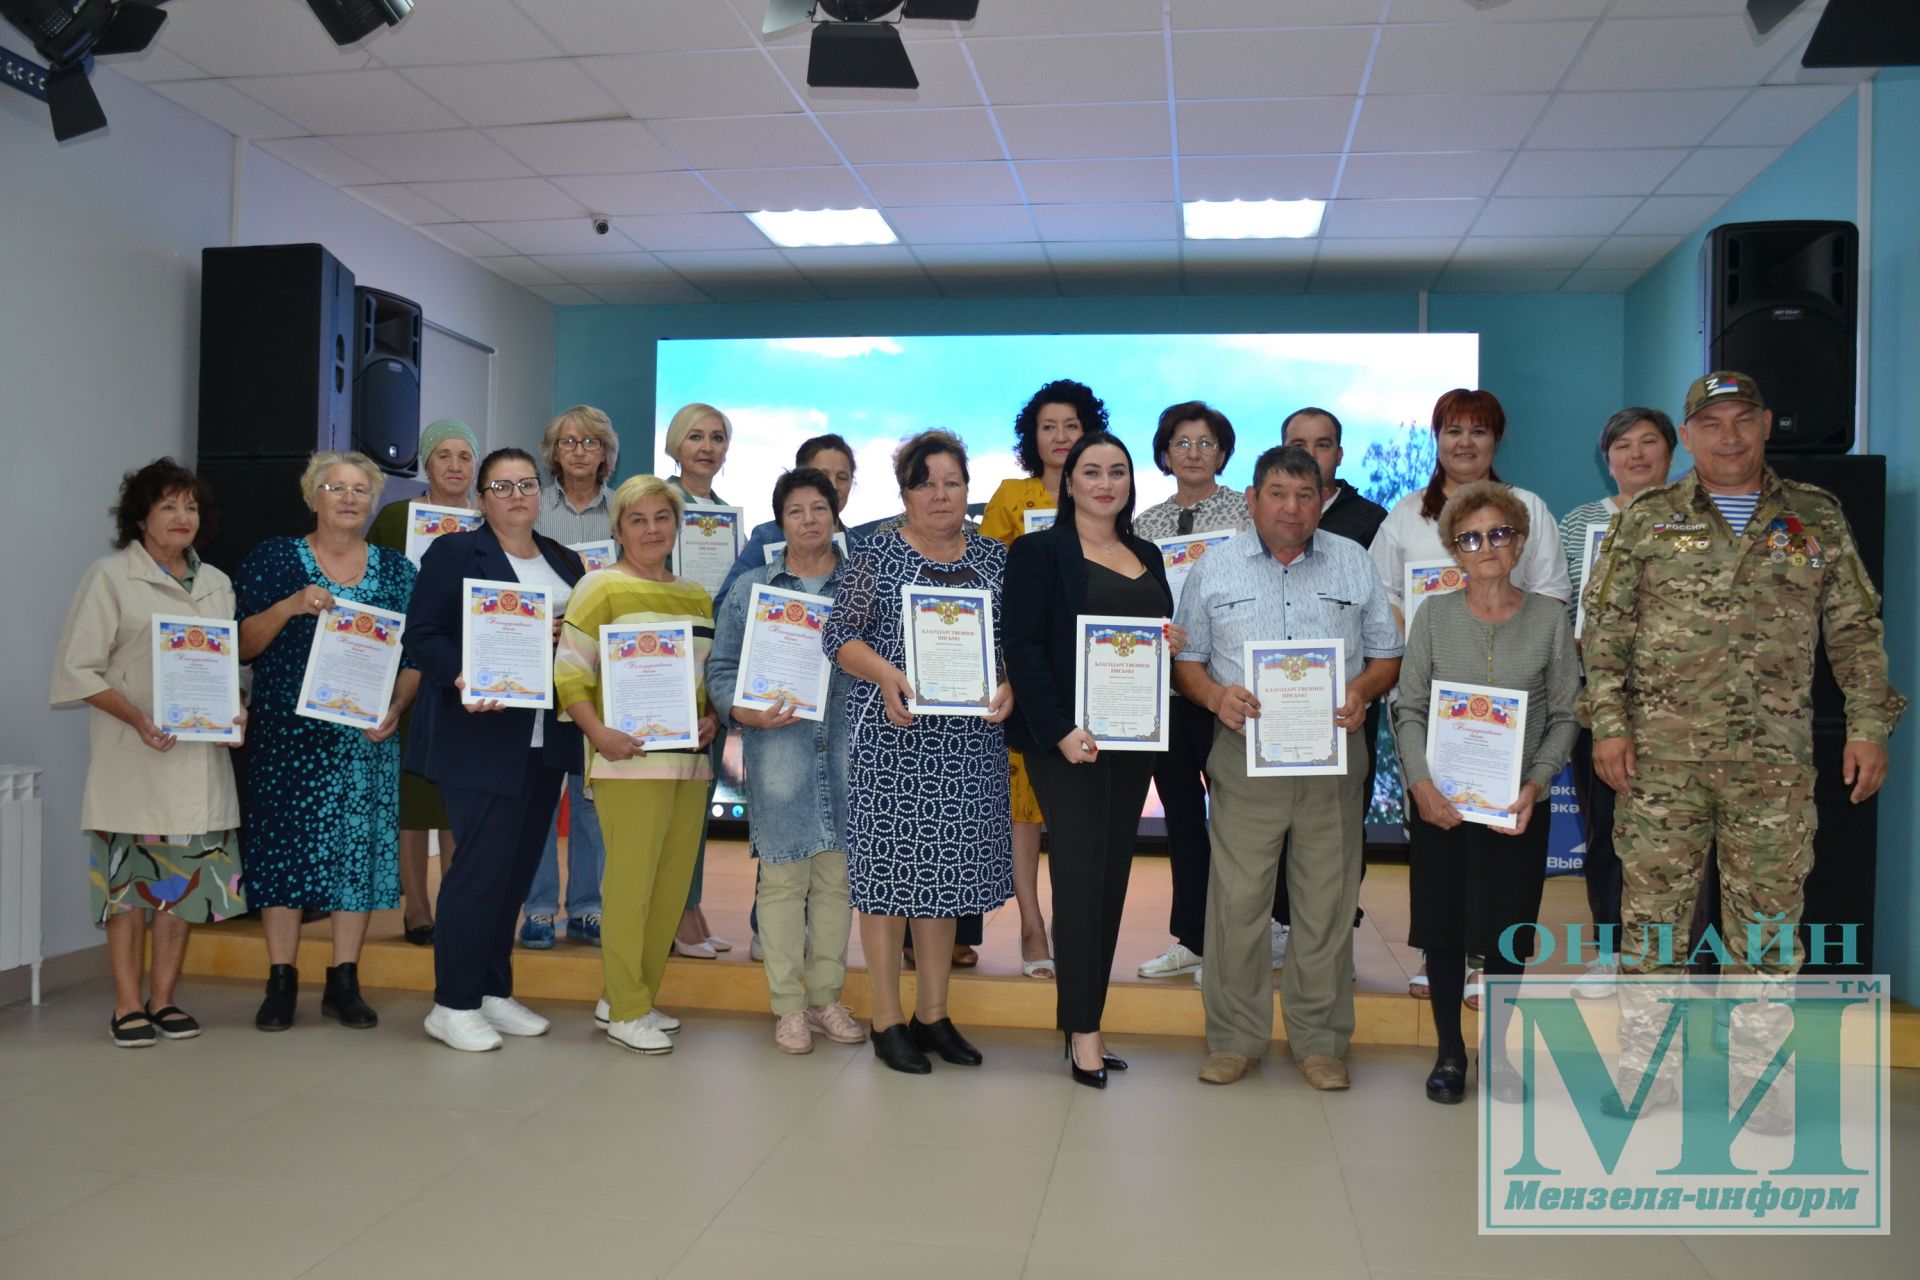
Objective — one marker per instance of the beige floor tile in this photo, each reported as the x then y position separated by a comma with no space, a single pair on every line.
427,1241
901,1191
738,1251
613,1168
322,1145
18,1084
1183,1116
988,1107
1404,1130
1106,1266
29,1193
525,1074
158,1226
126,1123
1197,1209
1888,1257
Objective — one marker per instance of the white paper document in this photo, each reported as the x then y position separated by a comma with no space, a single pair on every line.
647,683
1421,580
196,678
1120,681
1595,535
780,656
708,543
1475,736
426,522
603,554
1181,553
352,665
1299,684
506,643
1034,521
950,656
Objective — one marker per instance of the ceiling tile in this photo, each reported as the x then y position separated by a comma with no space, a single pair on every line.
993,224
502,199
703,231
1249,253
861,257
565,295
1778,115
1259,64
1258,177
1518,57
593,146
583,27
517,92
1058,17
464,237
519,270
1278,126
1507,252
152,65
604,268
1475,280
747,142
1428,252
1670,118
1081,68
733,82
472,31
1588,173
908,137
1633,252
443,156
1554,216
546,236
247,38
1719,171
1192,15
1107,221
1399,218
876,286
1429,175
400,203
1446,122
1411,279
226,106
945,81
350,102
758,287
1672,215
618,194
949,259
1657,53
1083,132
701,262
909,185
665,289
1495,10
1591,281
1097,181
1675,8
822,188
320,159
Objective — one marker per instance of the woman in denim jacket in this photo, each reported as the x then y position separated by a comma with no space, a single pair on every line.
796,784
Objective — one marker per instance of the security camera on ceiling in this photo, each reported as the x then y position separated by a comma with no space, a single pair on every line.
350,20
852,48
67,33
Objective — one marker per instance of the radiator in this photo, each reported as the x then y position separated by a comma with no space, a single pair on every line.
20,871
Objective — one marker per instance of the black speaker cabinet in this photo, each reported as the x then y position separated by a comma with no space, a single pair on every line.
1846,848
1779,302
386,379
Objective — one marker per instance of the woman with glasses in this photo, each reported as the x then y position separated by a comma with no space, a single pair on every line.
448,450
579,450
1467,881
500,769
322,805
1192,444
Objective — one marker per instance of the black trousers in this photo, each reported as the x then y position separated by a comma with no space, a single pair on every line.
500,839
1093,824
1596,815
1179,774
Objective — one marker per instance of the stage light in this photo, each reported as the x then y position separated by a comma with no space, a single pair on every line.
350,20
1253,219
852,49
822,228
65,33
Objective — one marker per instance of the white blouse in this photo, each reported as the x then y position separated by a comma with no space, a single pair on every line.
1407,537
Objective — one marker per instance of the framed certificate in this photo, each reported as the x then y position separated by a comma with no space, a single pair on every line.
780,656
196,678
425,522
603,554
506,643
1300,684
1120,681
647,683
1034,521
1423,579
352,665
1179,554
1596,533
1475,735
708,543
775,548
949,642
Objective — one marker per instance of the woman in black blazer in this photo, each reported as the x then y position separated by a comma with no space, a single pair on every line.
499,769
1089,562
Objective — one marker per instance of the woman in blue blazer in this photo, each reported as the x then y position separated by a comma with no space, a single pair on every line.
499,769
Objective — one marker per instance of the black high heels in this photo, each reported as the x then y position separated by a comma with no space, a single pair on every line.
1096,1079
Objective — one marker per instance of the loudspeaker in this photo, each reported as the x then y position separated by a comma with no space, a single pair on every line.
276,365
1779,303
386,379
1845,856
258,498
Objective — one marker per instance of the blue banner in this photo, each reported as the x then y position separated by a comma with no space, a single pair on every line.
1566,835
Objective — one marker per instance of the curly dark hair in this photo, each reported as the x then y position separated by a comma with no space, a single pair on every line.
804,478
1090,408
142,490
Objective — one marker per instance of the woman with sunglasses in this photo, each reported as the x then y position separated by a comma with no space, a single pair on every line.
1468,882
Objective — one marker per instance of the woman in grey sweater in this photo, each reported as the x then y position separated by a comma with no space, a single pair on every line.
1468,882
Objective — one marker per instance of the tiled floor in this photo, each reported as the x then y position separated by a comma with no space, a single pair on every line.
329,1153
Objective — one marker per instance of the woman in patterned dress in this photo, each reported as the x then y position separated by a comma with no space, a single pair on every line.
929,834
323,799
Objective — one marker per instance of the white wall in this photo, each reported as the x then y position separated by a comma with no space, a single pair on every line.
100,245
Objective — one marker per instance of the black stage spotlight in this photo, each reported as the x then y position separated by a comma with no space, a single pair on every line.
350,20
852,49
65,33
1850,33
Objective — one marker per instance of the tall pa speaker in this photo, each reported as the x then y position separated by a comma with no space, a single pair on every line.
386,379
1780,303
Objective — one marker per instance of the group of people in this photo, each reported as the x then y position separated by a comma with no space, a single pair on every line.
1708,600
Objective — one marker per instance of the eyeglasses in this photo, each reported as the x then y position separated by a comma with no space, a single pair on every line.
1187,446
335,489
505,488
1497,537
585,444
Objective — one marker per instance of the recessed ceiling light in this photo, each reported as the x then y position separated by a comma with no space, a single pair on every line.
815,228
1253,219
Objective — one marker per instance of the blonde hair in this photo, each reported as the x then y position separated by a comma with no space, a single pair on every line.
1483,493
637,489
581,420
683,423
321,463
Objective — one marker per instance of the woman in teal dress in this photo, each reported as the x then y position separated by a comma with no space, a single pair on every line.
323,799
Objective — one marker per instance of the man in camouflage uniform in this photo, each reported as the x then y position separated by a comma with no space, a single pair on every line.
1702,617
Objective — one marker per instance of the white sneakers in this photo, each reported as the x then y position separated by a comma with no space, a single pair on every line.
640,1036
603,1014
464,1029
1176,959
1597,983
511,1018
1281,933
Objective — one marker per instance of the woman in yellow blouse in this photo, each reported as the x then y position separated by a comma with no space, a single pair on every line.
1057,415
652,804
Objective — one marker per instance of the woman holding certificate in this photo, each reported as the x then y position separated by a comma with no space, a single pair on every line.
916,623
139,778
1088,647
488,603
629,673
1485,713
448,450
768,672
323,797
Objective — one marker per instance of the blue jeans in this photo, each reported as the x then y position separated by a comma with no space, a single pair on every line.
586,856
